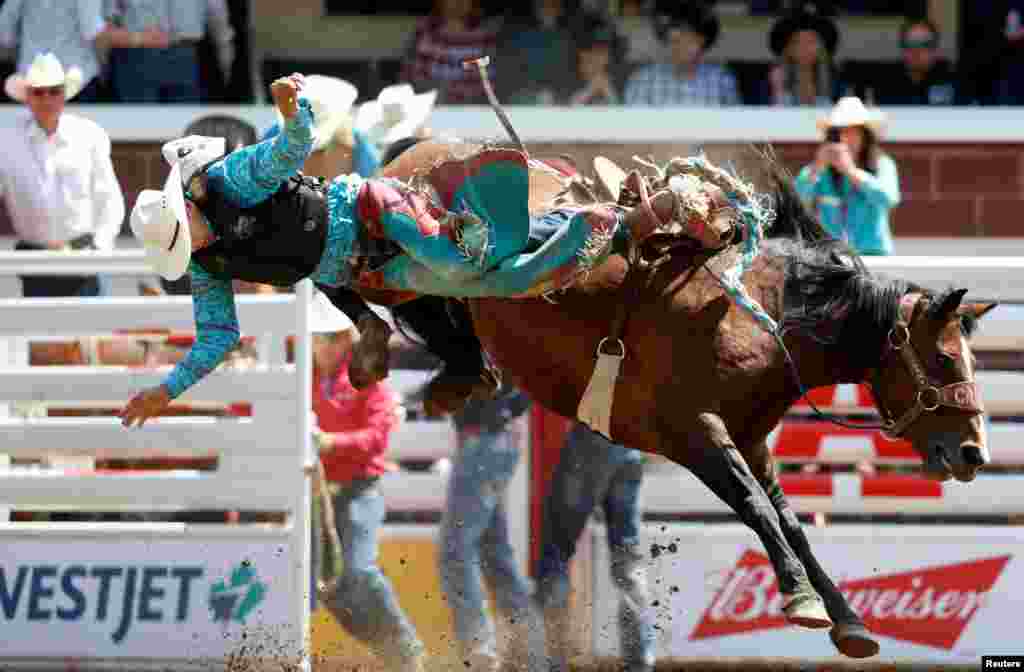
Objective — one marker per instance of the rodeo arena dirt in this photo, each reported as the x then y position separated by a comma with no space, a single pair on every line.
801,442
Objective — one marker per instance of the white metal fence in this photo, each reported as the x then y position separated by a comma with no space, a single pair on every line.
171,594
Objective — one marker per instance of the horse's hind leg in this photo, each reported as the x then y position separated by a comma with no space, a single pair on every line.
711,455
849,635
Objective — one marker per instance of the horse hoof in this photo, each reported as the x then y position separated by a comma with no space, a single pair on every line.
853,640
807,611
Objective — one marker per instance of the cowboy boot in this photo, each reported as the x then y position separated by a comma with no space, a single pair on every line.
661,212
650,213
370,354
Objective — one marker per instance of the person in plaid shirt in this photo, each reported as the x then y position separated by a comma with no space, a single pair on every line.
689,30
455,32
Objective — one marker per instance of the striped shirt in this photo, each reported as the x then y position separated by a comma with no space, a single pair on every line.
436,61
183,19
657,84
65,27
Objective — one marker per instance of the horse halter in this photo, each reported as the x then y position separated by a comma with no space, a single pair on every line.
961,395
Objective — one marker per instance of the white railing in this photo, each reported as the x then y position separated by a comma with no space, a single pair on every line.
201,593
597,124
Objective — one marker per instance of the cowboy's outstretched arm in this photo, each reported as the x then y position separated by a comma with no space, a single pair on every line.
250,175
213,306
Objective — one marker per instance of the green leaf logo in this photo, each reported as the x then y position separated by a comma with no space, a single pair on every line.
234,598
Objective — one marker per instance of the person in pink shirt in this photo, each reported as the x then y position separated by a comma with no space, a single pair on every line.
352,433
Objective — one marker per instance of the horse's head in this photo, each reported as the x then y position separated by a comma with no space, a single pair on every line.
925,386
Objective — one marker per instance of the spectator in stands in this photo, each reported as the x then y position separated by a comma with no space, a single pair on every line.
593,471
57,179
72,31
533,52
353,430
600,51
688,30
993,56
474,537
804,40
925,79
852,185
398,112
455,32
155,48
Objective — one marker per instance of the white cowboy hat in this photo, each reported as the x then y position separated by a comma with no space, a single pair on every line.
396,113
330,100
160,222
850,111
324,317
45,71
159,219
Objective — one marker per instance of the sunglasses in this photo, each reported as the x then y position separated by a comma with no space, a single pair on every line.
926,43
42,91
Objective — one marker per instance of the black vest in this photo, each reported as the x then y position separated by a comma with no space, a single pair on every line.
277,242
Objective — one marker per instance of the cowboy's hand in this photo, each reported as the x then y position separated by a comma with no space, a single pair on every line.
144,405
285,92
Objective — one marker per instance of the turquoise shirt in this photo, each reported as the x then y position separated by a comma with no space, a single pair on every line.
857,215
248,176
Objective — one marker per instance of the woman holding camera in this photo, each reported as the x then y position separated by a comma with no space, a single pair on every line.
852,185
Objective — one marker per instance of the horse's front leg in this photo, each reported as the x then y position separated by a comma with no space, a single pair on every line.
849,635
712,456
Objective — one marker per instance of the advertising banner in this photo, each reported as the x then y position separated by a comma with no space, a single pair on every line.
145,596
928,593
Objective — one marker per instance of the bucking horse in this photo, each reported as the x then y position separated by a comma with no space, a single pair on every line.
657,348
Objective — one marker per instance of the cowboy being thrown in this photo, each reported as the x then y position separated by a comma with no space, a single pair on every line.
252,216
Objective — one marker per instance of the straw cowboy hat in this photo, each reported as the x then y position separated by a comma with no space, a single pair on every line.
330,100
397,113
850,111
45,71
324,317
159,219
807,16
694,15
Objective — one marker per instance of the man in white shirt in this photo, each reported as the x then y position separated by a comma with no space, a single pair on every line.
57,179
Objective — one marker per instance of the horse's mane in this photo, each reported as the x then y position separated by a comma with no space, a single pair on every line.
829,292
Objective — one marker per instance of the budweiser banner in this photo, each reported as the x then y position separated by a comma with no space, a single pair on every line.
929,593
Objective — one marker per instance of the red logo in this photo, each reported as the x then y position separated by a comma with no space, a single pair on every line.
929,606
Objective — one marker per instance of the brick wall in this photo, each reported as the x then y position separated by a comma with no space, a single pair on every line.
948,190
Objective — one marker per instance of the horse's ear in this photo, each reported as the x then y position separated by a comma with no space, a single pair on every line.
951,303
976,310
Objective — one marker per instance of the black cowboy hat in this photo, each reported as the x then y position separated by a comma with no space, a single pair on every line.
692,14
590,29
805,16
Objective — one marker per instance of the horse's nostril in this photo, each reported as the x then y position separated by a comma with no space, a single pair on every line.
973,456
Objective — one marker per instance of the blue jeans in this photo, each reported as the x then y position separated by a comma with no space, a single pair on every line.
168,75
475,547
363,601
593,471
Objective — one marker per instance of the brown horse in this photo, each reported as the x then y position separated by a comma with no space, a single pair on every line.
703,385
